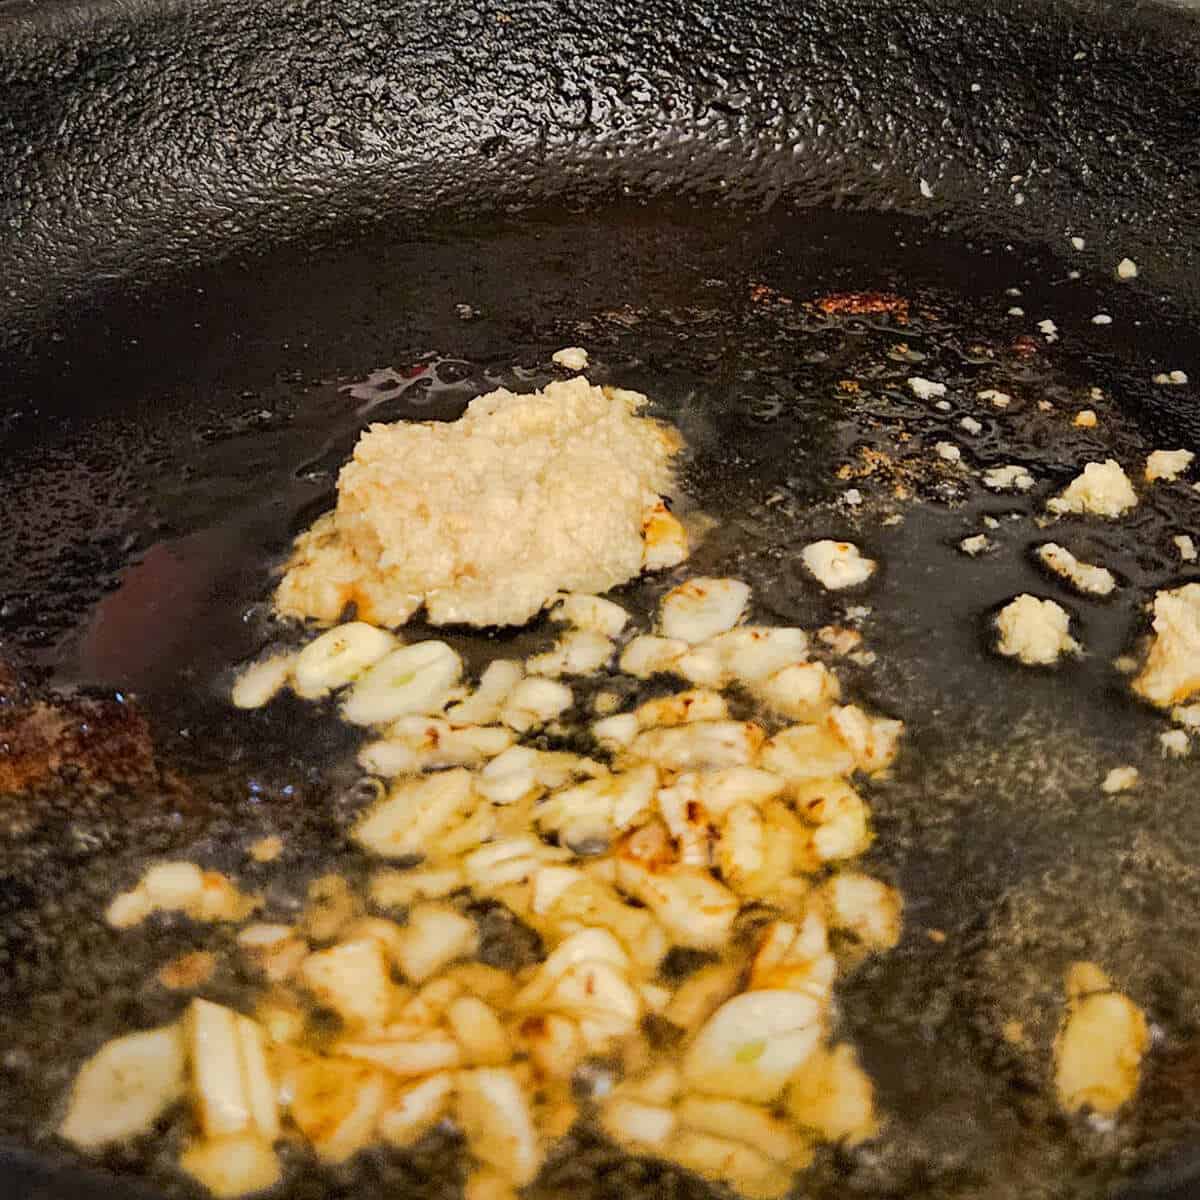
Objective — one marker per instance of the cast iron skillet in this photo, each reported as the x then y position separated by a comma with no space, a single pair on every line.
234,233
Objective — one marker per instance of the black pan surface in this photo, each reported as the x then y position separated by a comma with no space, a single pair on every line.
171,423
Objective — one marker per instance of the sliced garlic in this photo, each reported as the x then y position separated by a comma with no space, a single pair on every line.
841,815
435,935
807,752
352,979
419,1052
864,907
262,681
754,652
591,613
482,706
874,741
510,860
803,691
834,1097
720,790
416,744
533,702
683,708
407,821
747,1172
647,655
690,904
222,1102
415,1110
509,776
399,889
336,1104
338,657
579,815
479,1032
703,607
415,679
703,665
796,958
498,1125
616,732
637,1125
701,744
124,1087
687,822
580,652
741,846
234,1165
747,1123
754,1044
701,994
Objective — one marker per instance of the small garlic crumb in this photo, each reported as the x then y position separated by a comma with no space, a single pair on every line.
971,425
926,190
943,406
1078,243
1045,406
1176,378
893,519
1175,743
574,358
1098,1051
840,640
1033,631
925,389
1097,581
948,451
1125,664
995,398
837,564
1096,393
1120,779
1167,464
1127,269
1049,330
1103,489
1016,311
604,704
853,497
1102,319
266,849
937,936
1085,418
990,523
1007,478
975,545
1186,547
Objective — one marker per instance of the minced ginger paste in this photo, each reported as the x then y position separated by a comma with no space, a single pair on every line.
485,519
